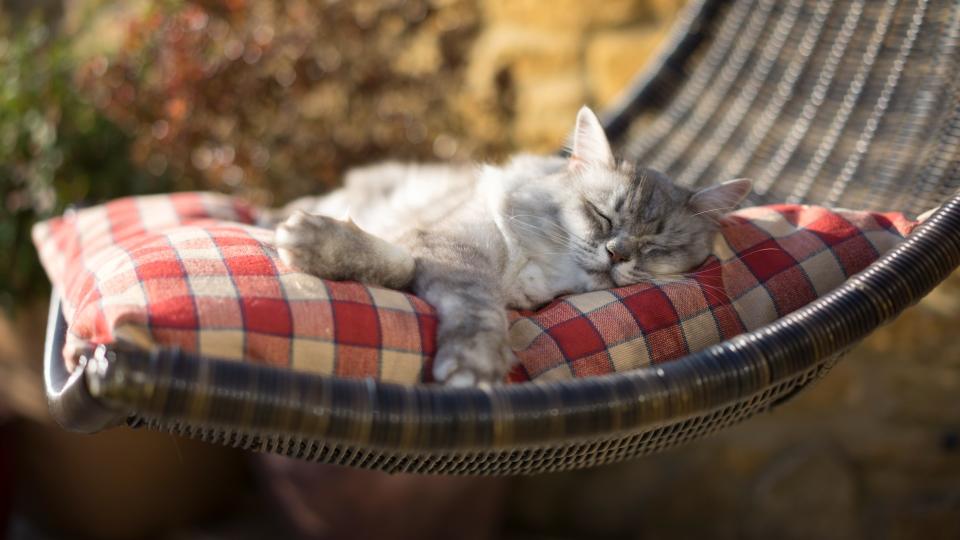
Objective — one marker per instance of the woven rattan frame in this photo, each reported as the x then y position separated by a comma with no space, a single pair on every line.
850,103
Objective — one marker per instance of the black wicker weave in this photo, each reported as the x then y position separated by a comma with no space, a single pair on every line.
849,103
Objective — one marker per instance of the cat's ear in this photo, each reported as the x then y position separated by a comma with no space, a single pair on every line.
590,145
715,201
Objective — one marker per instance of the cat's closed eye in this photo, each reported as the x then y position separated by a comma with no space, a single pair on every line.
653,250
605,222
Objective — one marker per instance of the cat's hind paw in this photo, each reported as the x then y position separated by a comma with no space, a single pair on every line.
458,365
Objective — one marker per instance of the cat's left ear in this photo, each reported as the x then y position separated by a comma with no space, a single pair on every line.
590,145
715,201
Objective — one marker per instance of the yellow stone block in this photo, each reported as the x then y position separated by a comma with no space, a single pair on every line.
664,10
524,51
567,14
546,110
614,57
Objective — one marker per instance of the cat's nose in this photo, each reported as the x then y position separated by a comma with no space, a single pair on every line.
616,253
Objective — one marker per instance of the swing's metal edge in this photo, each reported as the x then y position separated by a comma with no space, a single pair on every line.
68,397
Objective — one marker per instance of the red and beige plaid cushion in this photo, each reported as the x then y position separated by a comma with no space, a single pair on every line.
190,270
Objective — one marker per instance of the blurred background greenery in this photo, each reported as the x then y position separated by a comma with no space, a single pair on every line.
56,148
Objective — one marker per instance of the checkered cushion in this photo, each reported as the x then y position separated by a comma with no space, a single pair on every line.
191,270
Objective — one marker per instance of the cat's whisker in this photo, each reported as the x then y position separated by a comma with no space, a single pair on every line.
683,280
737,258
719,209
533,227
547,235
712,292
690,277
566,241
549,252
566,231
556,226
566,236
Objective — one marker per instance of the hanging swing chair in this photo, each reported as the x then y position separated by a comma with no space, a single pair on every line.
845,103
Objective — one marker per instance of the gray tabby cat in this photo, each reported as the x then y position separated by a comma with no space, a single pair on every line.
474,241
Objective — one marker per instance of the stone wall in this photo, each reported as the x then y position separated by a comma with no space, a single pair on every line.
535,63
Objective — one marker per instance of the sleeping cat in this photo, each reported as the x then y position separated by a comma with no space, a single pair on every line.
473,241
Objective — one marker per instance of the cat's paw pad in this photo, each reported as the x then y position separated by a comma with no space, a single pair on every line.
313,243
461,365
301,229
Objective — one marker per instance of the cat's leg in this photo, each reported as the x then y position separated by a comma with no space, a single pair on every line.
472,344
334,249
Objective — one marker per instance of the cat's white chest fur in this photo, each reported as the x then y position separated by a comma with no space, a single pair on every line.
528,283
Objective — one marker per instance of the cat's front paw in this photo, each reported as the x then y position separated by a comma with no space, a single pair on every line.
473,362
315,244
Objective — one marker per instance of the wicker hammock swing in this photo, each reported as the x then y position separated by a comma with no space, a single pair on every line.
850,103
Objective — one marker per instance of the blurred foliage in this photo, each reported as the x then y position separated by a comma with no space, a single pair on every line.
274,100
268,100
55,149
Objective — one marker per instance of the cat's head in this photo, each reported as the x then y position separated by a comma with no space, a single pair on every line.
627,222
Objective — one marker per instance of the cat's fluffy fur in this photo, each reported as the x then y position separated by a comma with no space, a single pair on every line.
473,241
